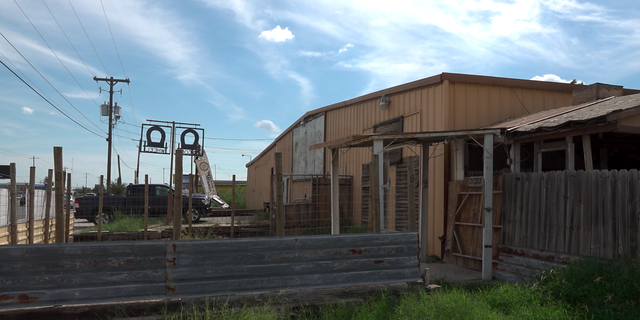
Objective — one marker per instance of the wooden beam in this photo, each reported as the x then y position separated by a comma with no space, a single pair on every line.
374,195
47,209
379,151
177,196
337,142
280,218
32,194
562,134
335,191
424,203
487,231
552,146
586,151
13,203
411,196
59,184
570,154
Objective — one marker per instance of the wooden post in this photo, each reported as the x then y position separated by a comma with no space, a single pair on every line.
586,150
537,157
100,204
59,184
146,206
233,204
13,204
272,212
47,210
67,200
378,149
190,216
280,218
177,198
411,196
32,194
514,154
487,230
374,195
335,191
570,154
424,204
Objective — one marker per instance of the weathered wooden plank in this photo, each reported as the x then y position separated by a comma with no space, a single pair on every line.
622,213
610,240
634,212
454,188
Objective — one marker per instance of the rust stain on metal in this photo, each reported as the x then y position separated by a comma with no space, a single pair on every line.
356,252
5,297
172,261
25,298
335,253
175,247
379,261
295,240
172,289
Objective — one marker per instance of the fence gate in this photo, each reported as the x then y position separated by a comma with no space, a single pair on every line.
465,220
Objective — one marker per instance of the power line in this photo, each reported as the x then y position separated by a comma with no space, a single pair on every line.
43,98
112,38
65,67
86,34
65,35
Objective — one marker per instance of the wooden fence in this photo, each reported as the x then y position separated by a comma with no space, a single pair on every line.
585,213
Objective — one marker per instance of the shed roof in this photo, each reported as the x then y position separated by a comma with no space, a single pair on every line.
604,110
427,82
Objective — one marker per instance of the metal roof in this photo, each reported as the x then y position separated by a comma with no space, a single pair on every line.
400,139
582,113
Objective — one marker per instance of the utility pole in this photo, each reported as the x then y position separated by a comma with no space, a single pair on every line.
34,160
112,82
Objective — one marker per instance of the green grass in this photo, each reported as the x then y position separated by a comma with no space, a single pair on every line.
120,223
587,290
597,289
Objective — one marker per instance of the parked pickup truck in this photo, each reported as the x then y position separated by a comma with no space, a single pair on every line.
133,203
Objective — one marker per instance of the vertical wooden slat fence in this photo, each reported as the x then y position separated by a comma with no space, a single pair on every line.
586,213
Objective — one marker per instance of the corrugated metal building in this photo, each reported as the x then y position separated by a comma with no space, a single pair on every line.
444,102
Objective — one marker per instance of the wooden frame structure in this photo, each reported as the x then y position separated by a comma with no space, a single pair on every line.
384,142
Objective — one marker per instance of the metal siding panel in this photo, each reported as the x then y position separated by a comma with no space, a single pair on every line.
256,265
61,274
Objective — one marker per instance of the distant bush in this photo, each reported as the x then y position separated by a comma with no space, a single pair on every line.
241,197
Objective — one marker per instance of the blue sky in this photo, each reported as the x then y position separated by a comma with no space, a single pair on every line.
245,70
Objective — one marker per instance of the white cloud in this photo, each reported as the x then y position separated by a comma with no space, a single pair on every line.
277,34
550,77
27,110
345,48
314,54
267,125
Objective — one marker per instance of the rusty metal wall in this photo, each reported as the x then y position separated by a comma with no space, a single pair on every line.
81,273
89,273
204,268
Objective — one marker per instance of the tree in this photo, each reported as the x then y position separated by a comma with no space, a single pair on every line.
117,188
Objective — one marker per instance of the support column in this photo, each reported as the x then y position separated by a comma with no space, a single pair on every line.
586,149
424,204
570,154
335,191
514,154
379,151
487,230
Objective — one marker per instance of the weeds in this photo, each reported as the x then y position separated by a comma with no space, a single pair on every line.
598,289
123,223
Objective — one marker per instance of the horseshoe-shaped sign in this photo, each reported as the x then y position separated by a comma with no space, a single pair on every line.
190,146
153,144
